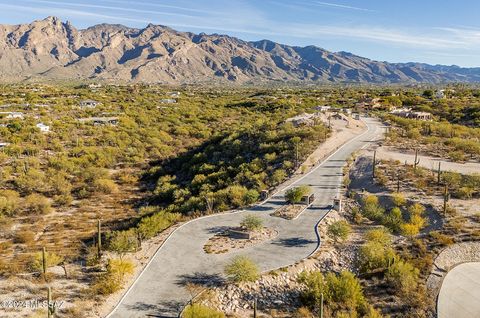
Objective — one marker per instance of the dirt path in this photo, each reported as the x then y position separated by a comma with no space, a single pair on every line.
389,153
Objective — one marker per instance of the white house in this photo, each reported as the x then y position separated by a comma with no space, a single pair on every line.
12,115
174,94
440,94
323,108
168,101
43,128
88,103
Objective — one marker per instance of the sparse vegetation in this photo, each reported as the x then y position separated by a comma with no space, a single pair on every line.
242,269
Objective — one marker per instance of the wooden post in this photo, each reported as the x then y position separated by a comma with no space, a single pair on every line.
44,261
99,240
255,308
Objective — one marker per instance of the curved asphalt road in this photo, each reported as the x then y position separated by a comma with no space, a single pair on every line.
160,289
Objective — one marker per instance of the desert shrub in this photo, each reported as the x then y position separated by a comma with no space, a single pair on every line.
9,202
24,237
393,220
242,269
37,204
341,292
372,209
106,186
374,255
339,230
464,193
201,311
458,156
380,235
114,278
398,199
63,199
295,195
36,262
252,222
150,226
122,242
403,277
442,239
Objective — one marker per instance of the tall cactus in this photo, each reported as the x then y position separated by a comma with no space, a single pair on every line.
374,164
255,308
416,161
99,239
44,260
439,173
398,182
446,197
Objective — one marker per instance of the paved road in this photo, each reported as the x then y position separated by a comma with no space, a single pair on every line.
160,291
460,292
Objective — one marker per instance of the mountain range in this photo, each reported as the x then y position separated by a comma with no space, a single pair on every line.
50,49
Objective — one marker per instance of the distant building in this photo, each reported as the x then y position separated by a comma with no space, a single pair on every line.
174,94
323,109
408,113
43,128
168,101
88,103
12,115
440,94
100,121
302,120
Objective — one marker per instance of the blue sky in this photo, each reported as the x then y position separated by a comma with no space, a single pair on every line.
436,32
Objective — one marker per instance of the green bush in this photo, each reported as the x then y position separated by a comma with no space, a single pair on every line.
339,230
242,269
37,204
36,263
403,277
200,311
9,202
252,222
122,242
152,225
372,209
113,280
341,292
295,195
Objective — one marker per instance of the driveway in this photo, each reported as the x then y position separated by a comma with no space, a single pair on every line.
160,290
460,292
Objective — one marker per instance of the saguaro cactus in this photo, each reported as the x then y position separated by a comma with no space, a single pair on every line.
374,164
398,182
44,260
439,172
416,161
99,239
446,197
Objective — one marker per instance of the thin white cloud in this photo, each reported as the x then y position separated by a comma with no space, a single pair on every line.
116,8
339,6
